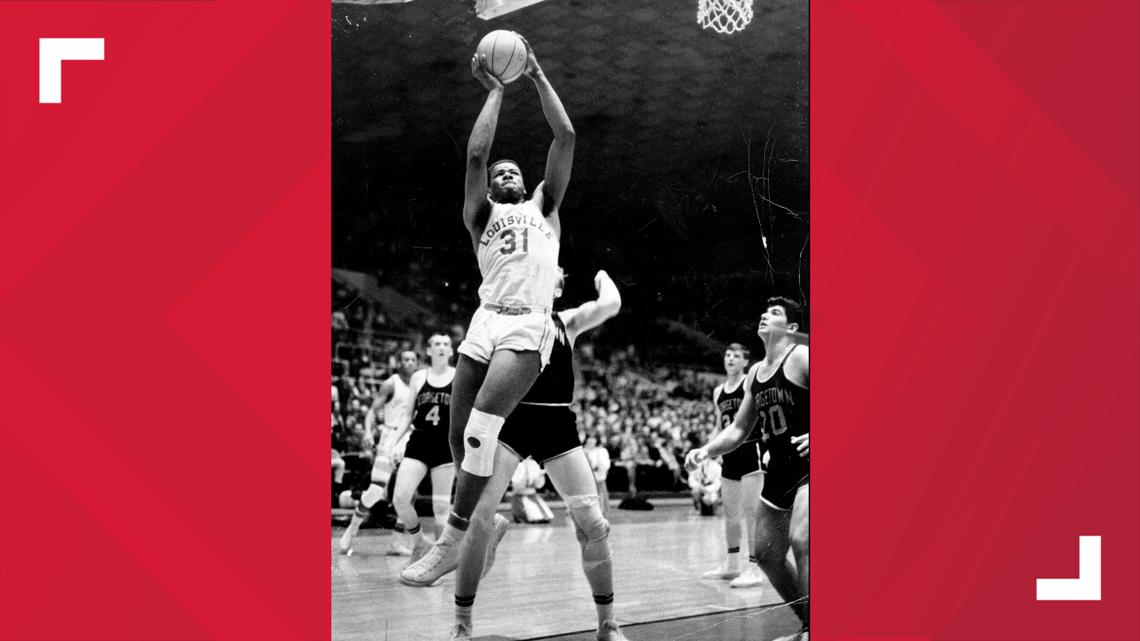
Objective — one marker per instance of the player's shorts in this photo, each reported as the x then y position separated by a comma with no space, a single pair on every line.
429,447
542,431
786,473
740,462
491,331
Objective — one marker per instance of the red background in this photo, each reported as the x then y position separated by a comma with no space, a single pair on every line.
164,257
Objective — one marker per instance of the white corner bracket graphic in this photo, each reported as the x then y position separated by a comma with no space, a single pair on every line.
1086,587
53,51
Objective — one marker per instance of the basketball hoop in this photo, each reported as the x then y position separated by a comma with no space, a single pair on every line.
724,16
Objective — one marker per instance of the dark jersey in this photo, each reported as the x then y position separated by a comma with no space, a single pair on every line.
555,385
782,410
726,405
433,409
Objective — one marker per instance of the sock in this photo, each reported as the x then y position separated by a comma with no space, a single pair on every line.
411,534
605,605
454,530
734,559
463,607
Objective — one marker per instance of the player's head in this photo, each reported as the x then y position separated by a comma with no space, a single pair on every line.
559,283
735,359
409,361
782,315
505,182
591,440
439,348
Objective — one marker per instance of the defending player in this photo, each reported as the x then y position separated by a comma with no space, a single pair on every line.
740,475
776,400
428,450
544,427
393,403
516,241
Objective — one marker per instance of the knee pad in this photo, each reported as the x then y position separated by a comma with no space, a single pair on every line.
373,495
480,439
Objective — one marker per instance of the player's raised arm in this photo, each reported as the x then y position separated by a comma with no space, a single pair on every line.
475,204
560,158
593,313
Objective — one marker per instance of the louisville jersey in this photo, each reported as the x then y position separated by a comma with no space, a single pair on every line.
433,408
518,257
396,409
782,410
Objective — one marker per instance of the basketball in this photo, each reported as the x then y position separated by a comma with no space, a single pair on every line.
506,54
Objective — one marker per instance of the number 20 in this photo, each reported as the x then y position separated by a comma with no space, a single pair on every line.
775,420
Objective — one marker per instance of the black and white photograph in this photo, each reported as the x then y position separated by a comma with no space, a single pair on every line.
570,320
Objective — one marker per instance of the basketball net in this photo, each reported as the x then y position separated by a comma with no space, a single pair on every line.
724,16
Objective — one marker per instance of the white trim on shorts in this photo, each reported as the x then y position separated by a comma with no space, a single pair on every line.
778,509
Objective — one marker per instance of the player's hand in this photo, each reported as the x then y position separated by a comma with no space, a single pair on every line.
801,443
695,458
531,67
479,70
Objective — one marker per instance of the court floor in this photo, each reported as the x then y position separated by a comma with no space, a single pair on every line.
537,590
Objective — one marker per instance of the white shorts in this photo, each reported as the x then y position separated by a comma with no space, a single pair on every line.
491,331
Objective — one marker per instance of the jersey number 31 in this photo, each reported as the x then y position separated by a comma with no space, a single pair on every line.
508,236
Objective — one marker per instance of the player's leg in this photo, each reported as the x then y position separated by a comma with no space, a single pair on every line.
508,377
571,476
408,478
772,543
750,487
799,539
479,539
732,496
377,491
442,478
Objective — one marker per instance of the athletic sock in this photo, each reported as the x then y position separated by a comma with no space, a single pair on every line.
411,534
463,607
605,605
734,559
454,530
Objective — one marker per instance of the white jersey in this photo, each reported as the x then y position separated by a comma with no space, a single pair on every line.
397,408
518,257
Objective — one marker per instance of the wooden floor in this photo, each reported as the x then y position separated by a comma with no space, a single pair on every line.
537,589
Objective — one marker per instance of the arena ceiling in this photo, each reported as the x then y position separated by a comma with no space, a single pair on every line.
689,141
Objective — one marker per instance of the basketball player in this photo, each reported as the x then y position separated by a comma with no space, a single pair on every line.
776,400
544,427
740,475
428,450
393,402
516,241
